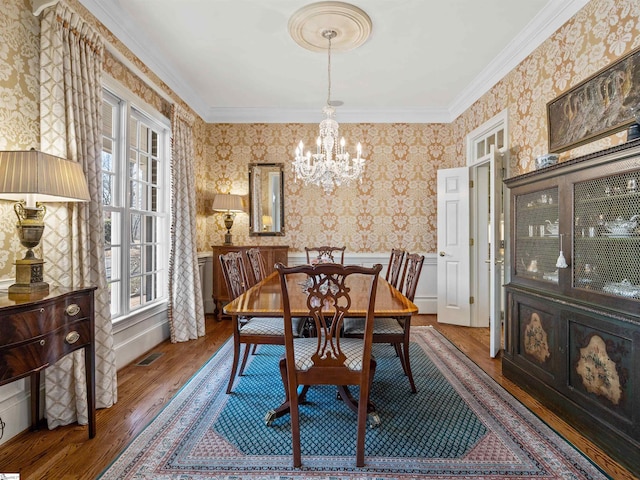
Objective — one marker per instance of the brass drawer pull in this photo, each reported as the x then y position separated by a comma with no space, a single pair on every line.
72,310
42,342
72,337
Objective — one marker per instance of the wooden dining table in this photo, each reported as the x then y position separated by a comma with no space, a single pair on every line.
264,299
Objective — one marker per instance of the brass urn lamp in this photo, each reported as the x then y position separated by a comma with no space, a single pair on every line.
32,177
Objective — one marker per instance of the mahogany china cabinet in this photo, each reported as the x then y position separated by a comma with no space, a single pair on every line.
572,333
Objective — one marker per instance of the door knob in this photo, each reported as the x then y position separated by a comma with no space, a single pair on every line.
442,254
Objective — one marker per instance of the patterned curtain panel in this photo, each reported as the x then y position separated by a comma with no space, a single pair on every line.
186,311
73,243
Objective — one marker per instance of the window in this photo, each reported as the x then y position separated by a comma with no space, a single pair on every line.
136,203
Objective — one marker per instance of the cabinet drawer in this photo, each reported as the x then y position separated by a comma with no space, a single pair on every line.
19,360
22,325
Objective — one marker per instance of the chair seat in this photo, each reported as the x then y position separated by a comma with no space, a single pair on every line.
270,326
381,326
304,348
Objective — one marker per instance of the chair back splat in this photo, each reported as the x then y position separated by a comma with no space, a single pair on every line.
395,266
328,359
256,264
325,254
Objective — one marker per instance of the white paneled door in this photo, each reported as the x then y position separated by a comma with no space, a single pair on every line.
453,246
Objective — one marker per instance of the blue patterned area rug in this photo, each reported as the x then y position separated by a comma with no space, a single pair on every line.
460,424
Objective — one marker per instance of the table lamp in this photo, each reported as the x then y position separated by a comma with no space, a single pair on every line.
230,204
32,177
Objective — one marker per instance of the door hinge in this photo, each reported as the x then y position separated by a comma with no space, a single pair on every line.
472,300
471,242
470,183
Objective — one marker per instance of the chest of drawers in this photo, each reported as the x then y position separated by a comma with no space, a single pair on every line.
36,331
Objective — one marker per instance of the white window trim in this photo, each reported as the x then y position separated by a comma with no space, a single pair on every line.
116,89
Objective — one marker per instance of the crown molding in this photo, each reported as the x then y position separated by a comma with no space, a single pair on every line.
120,25
552,17
343,115
555,14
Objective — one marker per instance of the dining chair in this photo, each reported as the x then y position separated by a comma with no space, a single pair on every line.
256,264
324,254
248,330
395,266
392,330
328,359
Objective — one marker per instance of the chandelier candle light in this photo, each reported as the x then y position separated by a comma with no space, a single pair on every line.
331,165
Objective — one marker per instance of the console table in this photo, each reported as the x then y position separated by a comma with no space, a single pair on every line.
37,330
272,255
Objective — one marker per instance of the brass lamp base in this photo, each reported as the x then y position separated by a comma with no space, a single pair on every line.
228,239
29,277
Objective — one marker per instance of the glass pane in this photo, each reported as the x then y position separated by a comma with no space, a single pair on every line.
136,228
107,154
480,149
133,132
107,228
153,200
113,263
606,239
500,138
134,196
150,288
144,138
154,143
135,260
134,293
133,167
490,141
107,189
150,259
537,235
108,112
150,229
143,167
154,172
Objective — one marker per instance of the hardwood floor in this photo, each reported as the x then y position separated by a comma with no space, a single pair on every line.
66,453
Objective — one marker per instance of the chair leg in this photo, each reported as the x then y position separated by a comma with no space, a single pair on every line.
247,347
234,365
363,405
407,365
255,347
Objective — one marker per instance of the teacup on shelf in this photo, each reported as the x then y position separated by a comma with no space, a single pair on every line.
552,228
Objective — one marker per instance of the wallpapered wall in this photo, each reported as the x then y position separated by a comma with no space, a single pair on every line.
395,205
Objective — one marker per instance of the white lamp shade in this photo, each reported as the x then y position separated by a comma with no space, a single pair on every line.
40,177
227,202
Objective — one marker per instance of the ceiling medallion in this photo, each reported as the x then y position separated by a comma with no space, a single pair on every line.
319,27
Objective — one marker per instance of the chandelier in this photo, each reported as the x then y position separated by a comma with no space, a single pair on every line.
331,165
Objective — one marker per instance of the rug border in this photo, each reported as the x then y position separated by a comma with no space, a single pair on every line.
522,410
466,358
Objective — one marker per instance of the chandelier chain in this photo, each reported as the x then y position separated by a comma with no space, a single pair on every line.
329,36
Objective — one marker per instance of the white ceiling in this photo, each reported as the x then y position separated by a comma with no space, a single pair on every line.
425,61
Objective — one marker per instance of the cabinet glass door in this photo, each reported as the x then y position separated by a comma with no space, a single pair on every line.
537,227
606,247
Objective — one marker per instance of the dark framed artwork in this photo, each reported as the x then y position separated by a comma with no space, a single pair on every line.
599,106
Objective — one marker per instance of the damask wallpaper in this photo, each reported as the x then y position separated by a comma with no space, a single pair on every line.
19,105
395,204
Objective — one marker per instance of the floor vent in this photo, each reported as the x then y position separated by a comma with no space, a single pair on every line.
149,359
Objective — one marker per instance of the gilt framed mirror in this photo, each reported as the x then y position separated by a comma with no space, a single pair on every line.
266,199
